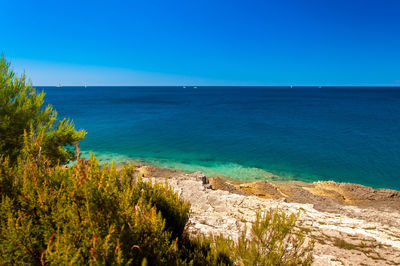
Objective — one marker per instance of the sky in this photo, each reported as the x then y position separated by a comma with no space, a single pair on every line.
208,42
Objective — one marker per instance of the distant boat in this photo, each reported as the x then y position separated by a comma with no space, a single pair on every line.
194,87
291,86
184,87
319,87
58,85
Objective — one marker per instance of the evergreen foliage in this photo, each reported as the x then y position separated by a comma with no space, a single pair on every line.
89,215
21,109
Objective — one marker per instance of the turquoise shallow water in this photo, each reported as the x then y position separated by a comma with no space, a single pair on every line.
302,133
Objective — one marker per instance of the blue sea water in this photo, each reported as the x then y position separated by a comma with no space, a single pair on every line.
346,134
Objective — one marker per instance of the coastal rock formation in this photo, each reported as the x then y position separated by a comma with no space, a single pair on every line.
262,189
344,234
357,194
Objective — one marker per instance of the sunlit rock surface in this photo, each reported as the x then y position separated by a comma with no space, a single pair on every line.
351,224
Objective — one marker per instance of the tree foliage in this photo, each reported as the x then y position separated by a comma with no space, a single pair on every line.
21,109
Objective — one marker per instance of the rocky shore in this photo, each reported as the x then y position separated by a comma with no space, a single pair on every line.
351,224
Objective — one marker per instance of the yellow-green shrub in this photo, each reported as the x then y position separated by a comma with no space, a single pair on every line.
274,240
87,214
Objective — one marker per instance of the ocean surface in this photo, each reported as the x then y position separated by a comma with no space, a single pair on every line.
346,134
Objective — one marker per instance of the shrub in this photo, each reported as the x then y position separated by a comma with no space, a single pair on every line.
21,109
274,240
88,214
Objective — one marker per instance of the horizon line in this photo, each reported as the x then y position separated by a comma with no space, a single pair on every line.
219,86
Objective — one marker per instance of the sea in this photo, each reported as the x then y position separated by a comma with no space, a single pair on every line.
345,134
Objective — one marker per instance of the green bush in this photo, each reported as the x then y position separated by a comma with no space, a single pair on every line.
274,240
89,215
21,109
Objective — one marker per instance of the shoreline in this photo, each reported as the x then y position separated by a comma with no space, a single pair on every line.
325,195
264,175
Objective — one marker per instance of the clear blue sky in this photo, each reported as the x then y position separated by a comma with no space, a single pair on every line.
208,42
